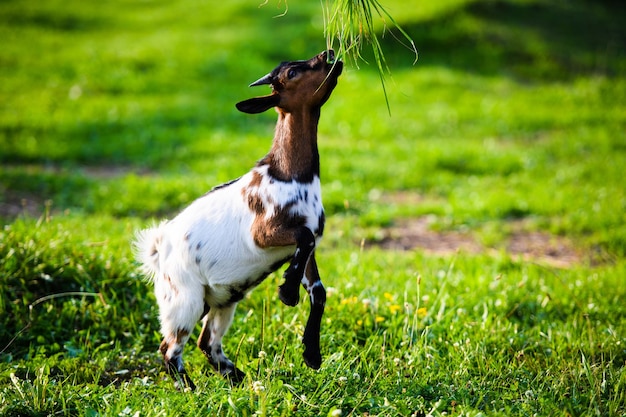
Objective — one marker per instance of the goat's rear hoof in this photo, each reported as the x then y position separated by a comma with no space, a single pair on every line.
289,295
184,383
312,360
234,376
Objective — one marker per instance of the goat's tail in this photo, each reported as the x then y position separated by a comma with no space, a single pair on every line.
146,247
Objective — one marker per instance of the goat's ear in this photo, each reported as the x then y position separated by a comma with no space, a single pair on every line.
258,104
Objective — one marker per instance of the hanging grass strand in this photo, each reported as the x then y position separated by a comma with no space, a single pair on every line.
351,23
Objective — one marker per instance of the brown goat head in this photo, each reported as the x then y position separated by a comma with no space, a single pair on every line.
297,85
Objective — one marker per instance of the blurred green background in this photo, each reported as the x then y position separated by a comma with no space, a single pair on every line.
119,112
515,108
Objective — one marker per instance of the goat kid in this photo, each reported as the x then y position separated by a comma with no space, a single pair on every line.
227,242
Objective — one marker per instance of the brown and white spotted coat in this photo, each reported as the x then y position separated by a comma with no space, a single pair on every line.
228,241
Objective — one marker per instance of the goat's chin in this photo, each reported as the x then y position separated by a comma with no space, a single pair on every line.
328,93
331,80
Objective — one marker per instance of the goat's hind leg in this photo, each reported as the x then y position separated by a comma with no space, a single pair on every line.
172,350
317,295
214,325
180,309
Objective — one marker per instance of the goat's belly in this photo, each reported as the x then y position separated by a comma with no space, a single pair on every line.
217,248
229,278
243,268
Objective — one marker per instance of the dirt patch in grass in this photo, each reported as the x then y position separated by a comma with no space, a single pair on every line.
409,234
404,235
543,247
17,202
534,246
21,203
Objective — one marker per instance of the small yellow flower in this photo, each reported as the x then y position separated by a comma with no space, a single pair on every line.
422,312
394,308
388,296
349,300
379,319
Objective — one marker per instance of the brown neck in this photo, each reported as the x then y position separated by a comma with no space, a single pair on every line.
294,154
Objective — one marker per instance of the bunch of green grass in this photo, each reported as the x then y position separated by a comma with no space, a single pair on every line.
352,24
405,333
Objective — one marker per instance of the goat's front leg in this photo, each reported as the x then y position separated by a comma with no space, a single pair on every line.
305,245
317,295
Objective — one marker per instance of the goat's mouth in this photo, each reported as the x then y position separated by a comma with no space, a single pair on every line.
336,68
335,65
330,56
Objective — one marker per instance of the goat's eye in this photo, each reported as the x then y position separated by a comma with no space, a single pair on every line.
291,73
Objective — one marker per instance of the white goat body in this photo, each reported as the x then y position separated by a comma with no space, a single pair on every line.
228,241
209,243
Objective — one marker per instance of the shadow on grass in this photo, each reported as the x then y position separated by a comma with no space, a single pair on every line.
151,140
539,41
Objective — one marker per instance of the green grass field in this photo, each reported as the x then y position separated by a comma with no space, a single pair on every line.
508,134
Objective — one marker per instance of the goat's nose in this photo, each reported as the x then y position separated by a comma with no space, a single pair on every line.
329,55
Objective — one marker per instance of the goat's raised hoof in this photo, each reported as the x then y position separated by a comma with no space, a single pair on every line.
289,294
312,359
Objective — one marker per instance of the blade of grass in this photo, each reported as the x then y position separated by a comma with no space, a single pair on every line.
351,23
